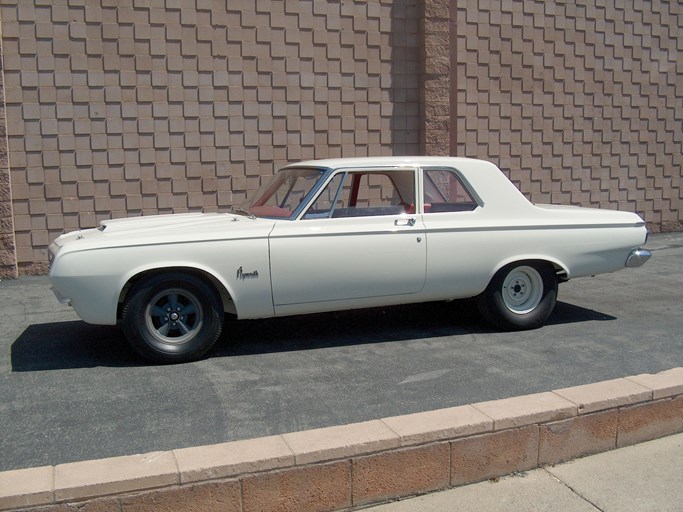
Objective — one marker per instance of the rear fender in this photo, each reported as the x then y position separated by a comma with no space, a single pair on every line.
561,270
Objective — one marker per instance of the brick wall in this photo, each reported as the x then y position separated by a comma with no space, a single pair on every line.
581,101
129,107
118,108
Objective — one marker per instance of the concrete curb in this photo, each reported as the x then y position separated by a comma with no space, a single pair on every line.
352,466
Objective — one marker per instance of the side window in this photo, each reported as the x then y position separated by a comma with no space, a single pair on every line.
364,194
445,192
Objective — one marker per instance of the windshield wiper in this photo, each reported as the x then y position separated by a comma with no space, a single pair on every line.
247,213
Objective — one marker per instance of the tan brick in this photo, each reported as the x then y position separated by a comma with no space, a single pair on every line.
663,384
425,427
405,472
26,487
525,410
109,504
576,437
341,441
318,488
606,394
650,420
100,477
490,455
230,459
211,497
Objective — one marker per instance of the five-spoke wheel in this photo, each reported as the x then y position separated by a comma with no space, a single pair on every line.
172,317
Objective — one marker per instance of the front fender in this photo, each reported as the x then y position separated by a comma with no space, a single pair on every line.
96,280
240,272
224,289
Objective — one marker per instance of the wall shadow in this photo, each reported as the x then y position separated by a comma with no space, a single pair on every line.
405,93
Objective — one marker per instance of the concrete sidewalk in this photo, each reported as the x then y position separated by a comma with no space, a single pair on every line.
643,477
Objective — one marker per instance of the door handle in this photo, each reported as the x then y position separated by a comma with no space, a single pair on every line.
404,222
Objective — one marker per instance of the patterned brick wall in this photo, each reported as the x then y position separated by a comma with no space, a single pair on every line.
130,107
581,101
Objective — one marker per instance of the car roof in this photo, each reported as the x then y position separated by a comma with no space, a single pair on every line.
485,178
375,161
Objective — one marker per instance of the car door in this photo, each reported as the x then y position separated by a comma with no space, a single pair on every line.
461,253
360,238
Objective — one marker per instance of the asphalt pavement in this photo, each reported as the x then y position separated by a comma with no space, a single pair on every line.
71,391
643,478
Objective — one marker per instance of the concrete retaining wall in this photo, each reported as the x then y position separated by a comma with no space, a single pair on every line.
351,466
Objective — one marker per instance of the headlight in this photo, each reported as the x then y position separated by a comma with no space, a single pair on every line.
51,254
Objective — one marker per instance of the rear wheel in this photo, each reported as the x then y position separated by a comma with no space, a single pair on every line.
172,318
520,296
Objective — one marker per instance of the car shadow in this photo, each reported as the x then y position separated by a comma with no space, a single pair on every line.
67,345
565,313
75,344
356,327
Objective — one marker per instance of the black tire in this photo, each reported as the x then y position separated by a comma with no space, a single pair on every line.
520,296
172,318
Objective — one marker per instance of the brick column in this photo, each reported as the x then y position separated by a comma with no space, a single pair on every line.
8,254
437,78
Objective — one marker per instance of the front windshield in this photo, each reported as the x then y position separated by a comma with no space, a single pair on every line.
281,195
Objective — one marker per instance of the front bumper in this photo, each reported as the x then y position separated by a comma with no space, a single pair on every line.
638,257
61,298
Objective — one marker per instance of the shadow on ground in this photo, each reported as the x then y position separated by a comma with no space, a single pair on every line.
75,344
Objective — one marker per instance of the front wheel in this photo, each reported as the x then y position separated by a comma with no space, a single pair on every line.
520,296
172,318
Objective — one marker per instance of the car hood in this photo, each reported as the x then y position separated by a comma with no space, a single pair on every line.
173,228
175,222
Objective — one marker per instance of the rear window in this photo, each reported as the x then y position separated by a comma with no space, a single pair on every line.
444,191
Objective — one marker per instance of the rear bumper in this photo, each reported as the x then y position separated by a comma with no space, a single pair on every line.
638,257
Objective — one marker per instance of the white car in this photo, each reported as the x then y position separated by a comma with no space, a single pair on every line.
339,234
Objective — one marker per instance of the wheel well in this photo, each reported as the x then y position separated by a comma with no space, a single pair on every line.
226,299
559,270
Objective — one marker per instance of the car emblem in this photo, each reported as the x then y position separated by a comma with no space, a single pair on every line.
242,275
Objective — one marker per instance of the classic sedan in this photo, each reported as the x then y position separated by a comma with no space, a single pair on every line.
339,234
